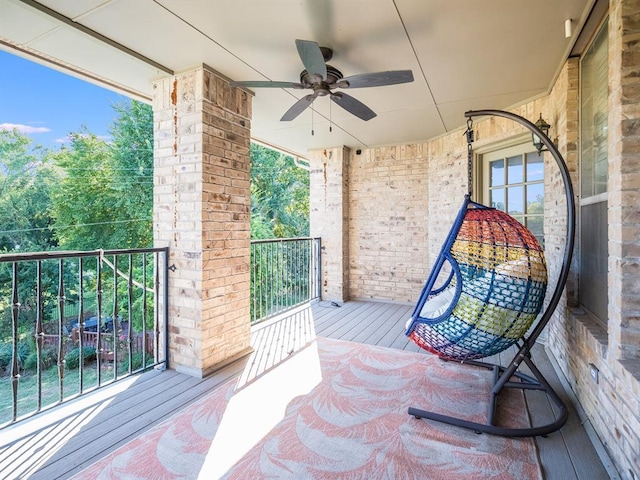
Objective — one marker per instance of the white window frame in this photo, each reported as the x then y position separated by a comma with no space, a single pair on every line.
520,145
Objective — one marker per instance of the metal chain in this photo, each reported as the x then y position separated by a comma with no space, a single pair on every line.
469,134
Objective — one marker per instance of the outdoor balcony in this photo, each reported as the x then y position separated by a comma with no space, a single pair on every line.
64,441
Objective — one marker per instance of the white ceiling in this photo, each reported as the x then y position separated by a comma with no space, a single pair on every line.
464,54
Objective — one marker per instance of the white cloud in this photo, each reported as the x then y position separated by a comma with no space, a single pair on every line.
67,139
23,128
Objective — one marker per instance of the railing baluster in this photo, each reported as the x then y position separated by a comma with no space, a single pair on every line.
129,316
99,347
156,310
260,283
270,284
15,370
39,334
80,326
144,310
114,319
61,299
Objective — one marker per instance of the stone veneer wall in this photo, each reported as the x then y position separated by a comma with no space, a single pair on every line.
201,211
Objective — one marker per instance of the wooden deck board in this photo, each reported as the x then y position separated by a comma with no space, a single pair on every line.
154,396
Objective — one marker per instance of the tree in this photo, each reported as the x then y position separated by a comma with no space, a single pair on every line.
279,195
27,178
105,199
85,203
132,150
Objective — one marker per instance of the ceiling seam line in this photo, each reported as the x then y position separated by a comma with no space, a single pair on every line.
415,54
92,33
30,52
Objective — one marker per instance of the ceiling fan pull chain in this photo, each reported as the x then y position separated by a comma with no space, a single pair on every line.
330,118
312,122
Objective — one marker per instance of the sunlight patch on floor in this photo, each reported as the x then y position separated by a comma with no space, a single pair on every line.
257,408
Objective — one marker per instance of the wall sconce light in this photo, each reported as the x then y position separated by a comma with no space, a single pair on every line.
537,141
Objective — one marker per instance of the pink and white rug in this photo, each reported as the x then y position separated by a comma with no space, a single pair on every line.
334,410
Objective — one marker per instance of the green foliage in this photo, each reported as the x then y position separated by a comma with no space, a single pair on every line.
6,354
27,178
105,198
72,358
83,202
279,195
136,361
132,151
49,357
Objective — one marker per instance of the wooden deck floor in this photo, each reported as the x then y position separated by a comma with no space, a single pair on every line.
67,439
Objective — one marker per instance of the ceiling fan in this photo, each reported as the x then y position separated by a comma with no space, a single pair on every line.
323,78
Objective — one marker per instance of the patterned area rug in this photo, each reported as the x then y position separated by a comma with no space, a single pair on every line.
334,410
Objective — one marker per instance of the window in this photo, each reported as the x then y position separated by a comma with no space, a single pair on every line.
594,81
513,181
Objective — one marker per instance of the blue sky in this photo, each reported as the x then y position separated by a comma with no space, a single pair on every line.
47,105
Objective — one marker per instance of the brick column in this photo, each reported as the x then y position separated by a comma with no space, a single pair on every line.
329,218
201,211
624,179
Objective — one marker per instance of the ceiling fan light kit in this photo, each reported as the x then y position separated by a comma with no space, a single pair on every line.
322,78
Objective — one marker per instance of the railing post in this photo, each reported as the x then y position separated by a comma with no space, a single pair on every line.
166,307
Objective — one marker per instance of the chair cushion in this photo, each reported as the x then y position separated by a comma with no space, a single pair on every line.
436,306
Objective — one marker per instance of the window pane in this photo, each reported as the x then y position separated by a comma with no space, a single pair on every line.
535,167
497,173
593,259
535,198
593,115
515,201
519,218
515,173
594,90
497,198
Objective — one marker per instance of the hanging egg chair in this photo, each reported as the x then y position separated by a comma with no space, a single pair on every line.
486,293
493,292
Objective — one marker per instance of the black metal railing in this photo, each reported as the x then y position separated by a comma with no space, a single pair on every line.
284,273
71,322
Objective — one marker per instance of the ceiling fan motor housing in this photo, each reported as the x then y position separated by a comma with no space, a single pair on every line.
314,80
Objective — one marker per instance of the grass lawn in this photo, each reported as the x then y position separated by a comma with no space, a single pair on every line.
28,388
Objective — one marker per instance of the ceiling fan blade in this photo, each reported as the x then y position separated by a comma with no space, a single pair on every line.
351,105
260,84
378,79
312,58
298,107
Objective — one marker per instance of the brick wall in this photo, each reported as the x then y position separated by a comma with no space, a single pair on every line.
388,198
201,211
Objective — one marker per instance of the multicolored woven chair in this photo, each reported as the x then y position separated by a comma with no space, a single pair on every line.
494,290
486,293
